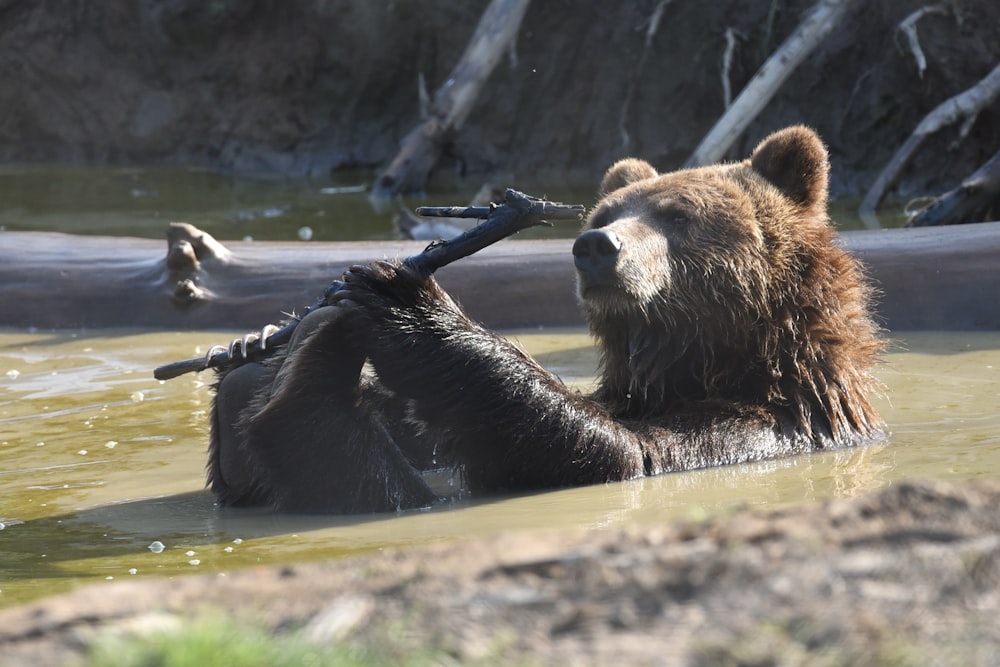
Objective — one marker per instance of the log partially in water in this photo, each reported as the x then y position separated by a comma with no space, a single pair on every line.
941,278
973,200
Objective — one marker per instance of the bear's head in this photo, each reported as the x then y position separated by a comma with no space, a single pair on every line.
726,283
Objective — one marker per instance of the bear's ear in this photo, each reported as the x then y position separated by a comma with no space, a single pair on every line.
625,172
795,160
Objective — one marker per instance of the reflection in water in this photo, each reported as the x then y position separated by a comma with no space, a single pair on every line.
140,202
98,461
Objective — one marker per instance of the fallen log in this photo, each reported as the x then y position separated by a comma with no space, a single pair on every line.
973,200
931,278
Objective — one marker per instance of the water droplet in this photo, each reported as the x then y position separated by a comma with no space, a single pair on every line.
188,553
82,452
228,550
132,570
305,233
13,373
238,540
137,396
194,561
157,547
110,444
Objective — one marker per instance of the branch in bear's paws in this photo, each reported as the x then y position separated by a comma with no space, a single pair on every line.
519,211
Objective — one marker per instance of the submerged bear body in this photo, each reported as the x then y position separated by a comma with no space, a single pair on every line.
731,326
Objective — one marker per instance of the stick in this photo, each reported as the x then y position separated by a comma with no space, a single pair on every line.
908,27
519,211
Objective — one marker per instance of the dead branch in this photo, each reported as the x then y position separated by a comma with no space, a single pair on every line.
453,101
727,63
908,27
652,26
818,23
966,105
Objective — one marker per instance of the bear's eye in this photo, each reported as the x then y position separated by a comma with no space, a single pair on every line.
668,212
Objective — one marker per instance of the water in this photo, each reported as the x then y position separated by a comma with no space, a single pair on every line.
141,202
98,461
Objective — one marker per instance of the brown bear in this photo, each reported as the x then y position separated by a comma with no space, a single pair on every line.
732,328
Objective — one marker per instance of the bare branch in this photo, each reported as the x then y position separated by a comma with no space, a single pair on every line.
453,101
652,26
818,23
966,105
727,62
908,27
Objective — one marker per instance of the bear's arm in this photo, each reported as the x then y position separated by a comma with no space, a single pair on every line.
706,434
514,425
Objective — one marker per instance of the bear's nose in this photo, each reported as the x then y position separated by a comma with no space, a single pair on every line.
595,253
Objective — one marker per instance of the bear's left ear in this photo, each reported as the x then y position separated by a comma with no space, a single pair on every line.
625,172
795,160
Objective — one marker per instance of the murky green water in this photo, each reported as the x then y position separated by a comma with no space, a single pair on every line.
141,202
98,461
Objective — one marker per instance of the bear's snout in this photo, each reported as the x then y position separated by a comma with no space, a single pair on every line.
595,254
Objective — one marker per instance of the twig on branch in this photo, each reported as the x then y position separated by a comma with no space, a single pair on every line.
727,63
453,101
966,105
818,23
519,211
652,26
908,27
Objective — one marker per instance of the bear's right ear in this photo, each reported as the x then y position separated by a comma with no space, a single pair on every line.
625,172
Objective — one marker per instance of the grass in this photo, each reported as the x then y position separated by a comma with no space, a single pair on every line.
196,643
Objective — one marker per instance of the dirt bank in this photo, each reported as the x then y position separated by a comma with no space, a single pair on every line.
908,575
320,86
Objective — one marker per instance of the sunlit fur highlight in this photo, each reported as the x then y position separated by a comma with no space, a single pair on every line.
757,303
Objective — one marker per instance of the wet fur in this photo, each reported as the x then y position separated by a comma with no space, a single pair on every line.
737,331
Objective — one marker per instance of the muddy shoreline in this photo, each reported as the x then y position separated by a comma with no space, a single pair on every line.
906,575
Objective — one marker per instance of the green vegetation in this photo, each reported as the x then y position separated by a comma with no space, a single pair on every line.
199,642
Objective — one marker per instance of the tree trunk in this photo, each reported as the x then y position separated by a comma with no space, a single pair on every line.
453,101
